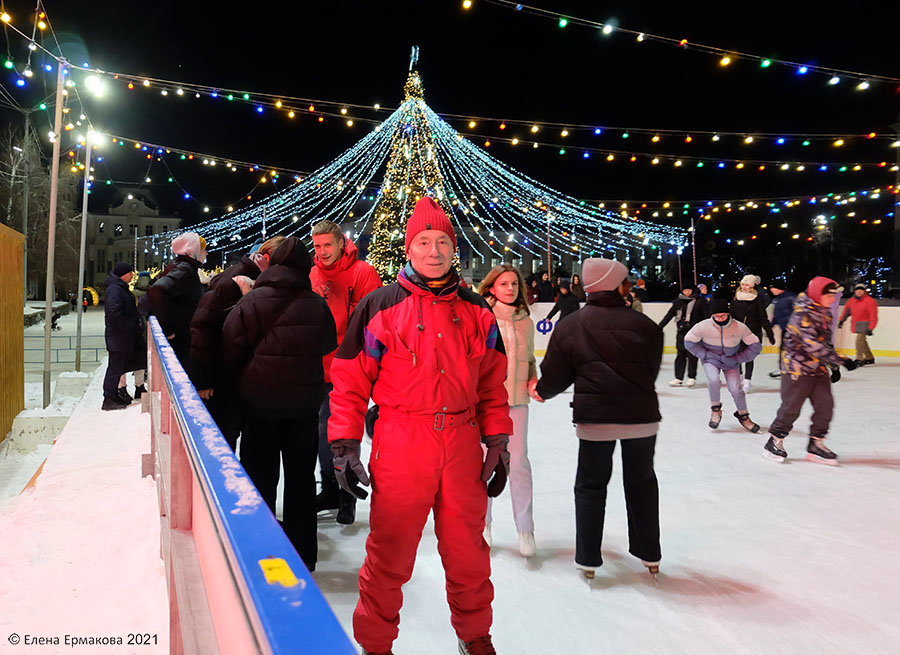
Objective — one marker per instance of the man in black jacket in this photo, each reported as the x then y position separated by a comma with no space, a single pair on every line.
566,303
274,340
688,309
123,324
612,354
215,385
174,296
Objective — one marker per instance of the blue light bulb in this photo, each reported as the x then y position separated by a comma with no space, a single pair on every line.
721,164
259,109
598,131
586,155
780,141
803,70
187,196
20,82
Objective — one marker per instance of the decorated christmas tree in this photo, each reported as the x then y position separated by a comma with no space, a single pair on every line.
412,172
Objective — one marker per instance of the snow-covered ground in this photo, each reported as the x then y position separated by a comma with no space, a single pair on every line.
80,550
757,557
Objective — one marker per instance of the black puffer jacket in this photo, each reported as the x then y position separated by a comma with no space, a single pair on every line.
123,323
612,354
173,299
207,364
275,337
566,304
752,313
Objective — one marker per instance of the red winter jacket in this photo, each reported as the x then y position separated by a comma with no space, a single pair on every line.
422,353
343,285
861,309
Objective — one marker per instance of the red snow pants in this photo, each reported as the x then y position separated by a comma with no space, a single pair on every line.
421,464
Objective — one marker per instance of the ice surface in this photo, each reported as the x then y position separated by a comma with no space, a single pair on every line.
757,557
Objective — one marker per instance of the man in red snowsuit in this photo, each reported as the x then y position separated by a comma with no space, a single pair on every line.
431,356
342,280
863,311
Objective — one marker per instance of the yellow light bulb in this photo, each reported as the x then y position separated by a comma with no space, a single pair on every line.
839,143
5,17
740,165
350,123
467,4
564,133
678,163
749,139
471,124
724,61
610,157
146,82
290,114
655,160
344,111
534,128
655,138
515,142
278,104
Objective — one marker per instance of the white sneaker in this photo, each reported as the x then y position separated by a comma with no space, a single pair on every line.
675,383
487,536
527,547
746,386
691,382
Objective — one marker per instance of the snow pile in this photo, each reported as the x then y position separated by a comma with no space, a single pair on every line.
81,549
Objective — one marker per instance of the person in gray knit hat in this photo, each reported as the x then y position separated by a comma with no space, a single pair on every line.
612,355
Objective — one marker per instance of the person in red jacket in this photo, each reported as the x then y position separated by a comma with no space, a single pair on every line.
863,311
342,280
430,355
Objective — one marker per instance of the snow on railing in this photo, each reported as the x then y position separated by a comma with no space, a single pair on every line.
236,584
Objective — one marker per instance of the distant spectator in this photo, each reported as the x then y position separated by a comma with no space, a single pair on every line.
640,290
749,307
687,310
863,312
545,288
577,288
123,324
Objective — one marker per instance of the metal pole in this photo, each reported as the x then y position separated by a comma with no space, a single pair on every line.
694,248
896,263
680,283
84,219
264,224
549,256
51,228
25,201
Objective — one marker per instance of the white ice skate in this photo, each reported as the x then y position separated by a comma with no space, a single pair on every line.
652,567
587,571
527,547
675,383
746,386
691,382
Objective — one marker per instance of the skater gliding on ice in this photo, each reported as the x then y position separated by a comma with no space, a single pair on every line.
612,355
431,356
687,310
716,342
749,307
805,373
863,312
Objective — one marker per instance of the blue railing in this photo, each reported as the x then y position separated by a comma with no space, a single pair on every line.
259,596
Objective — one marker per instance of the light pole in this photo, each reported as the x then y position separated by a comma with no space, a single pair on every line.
84,217
51,226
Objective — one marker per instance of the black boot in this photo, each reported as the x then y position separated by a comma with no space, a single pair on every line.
327,499
346,508
125,396
139,391
110,404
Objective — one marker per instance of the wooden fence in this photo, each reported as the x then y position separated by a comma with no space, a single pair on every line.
12,328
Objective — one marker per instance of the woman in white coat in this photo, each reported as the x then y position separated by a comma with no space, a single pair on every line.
504,289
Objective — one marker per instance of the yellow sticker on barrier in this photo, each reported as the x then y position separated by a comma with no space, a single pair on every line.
277,570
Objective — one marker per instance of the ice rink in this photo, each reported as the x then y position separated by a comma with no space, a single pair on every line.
758,557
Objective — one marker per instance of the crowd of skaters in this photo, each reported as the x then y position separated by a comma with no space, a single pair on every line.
289,352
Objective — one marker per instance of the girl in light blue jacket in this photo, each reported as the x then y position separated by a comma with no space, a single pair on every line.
717,342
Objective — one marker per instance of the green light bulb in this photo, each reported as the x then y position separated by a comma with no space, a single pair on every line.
765,63
8,63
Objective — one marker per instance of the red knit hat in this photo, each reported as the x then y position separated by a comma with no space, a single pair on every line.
428,215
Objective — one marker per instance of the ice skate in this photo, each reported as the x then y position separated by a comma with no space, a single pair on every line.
125,396
691,383
111,404
774,449
328,498
745,385
675,383
775,374
744,420
817,451
653,568
139,391
586,571
478,646
487,536
715,416
527,547
346,508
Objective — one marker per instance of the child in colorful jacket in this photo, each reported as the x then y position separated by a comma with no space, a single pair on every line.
808,351
716,342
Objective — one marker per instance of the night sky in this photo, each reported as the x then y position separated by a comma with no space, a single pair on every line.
494,61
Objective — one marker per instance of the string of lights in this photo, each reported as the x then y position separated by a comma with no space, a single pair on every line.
726,57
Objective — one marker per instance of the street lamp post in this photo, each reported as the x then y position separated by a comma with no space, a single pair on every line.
84,218
51,227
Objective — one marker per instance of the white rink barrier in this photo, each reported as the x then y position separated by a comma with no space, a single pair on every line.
885,341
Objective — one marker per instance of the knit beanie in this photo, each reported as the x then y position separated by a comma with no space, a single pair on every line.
752,280
122,268
188,244
565,284
598,274
719,306
861,286
819,286
428,215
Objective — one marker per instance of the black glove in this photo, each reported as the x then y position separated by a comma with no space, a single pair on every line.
868,333
850,364
496,463
835,374
841,324
371,417
348,470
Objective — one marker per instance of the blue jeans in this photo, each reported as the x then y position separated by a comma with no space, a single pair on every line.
732,379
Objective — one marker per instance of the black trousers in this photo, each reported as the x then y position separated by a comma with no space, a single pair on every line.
118,364
794,392
224,407
595,462
326,459
683,357
264,444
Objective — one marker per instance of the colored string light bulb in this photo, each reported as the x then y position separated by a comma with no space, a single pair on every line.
862,86
5,17
765,63
724,61
803,70
834,80
467,4
563,21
